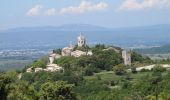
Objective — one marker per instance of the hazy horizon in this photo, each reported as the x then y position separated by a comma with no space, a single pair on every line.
108,13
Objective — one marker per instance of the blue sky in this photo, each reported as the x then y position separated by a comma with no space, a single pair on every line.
108,13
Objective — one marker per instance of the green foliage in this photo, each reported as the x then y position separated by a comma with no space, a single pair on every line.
106,59
21,91
89,89
25,89
133,69
81,79
57,91
90,69
119,69
58,51
140,59
41,63
63,61
100,60
83,48
158,68
100,46
5,80
164,61
145,70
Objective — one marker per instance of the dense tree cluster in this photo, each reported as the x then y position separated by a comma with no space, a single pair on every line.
34,87
40,63
100,60
139,59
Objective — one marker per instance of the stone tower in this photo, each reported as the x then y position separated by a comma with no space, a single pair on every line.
126,55
81,40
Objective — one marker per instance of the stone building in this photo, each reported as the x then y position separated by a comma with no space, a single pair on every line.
77,53
66,51
126,55
81,40
53,57
51,66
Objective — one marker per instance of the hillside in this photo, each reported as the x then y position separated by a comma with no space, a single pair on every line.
101,76
155,50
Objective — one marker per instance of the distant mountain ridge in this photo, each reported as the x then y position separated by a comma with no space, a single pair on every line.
89,27
59,36
66,27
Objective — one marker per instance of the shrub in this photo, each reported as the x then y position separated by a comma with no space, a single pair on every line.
98,77
112,83
158,68
133,69
144,70
119,69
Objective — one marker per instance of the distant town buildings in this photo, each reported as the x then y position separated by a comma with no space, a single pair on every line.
126,55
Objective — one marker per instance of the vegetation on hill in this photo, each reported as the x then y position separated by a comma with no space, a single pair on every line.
58,51
138,59
106,85
40,63
101,76
83,48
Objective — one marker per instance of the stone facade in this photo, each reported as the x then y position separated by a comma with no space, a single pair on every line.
53,57
126,55
81,40
77,53
67,51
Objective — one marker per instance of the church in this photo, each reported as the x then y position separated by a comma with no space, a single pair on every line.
81,41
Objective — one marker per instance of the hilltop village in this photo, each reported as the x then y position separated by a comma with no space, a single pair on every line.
81,72
72,51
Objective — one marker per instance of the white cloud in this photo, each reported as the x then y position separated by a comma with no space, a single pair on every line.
145,4
84,6
35,10
50,12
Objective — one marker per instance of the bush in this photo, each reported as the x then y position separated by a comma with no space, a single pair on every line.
88,72
40,63
113,83
58,51
144,70
98,77
90,69
119,69
133,69
158,68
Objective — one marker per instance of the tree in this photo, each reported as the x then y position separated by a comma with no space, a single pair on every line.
58,51
40,64
133,69
21,91
119,69
139,58
158,68
60,90
5,80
